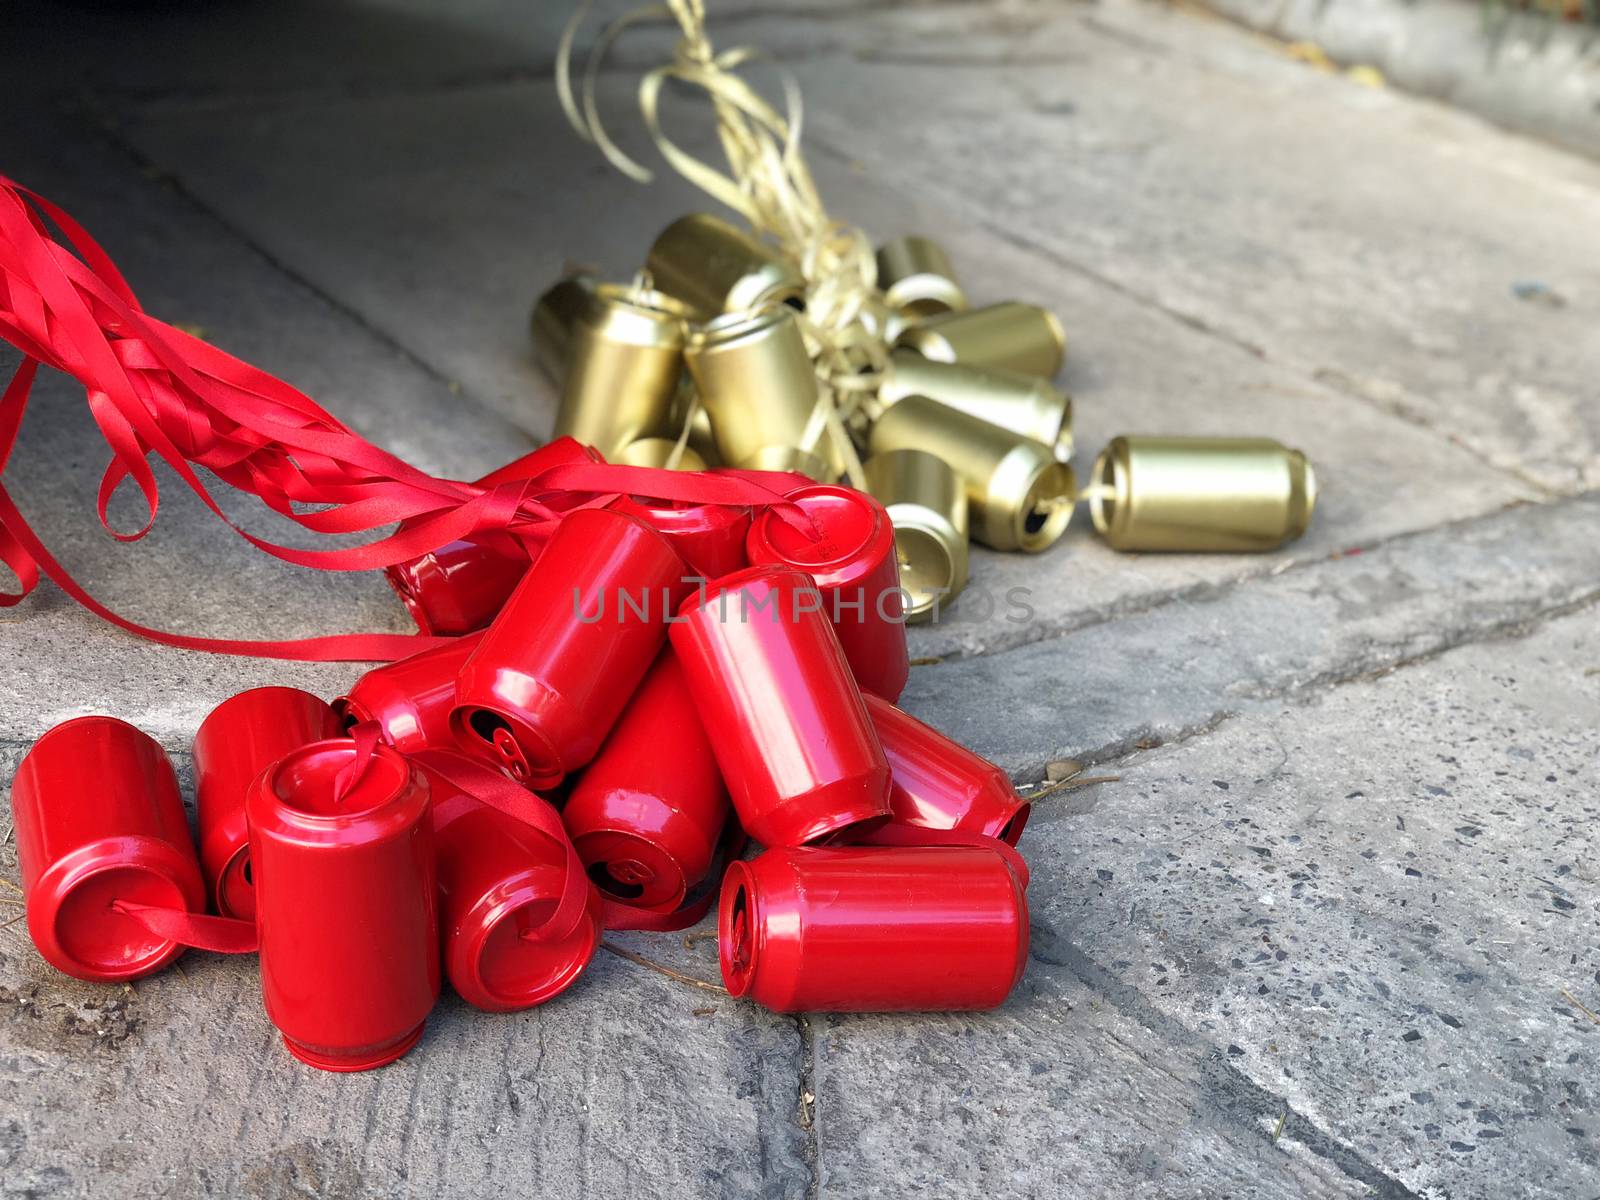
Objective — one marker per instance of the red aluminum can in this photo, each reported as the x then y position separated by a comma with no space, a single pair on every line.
460,586
937,783
710,538
499,879
410,700
873,929
646,815
547,681
856,570
346,905
241,738
784,717
98,818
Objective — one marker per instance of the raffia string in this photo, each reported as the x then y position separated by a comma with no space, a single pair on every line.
770,185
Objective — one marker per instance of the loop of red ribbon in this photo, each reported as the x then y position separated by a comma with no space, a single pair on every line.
154,390
225,935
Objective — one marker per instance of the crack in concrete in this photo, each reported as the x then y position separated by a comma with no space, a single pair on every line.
1241,1100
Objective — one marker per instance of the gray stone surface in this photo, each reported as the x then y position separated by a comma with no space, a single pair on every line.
1360,237
1231,950
1524,69
1133,368
1372,903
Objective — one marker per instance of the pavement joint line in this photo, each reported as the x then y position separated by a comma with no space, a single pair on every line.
807,1114
1211,591
1514,629
1322,376
101,121
1242,1101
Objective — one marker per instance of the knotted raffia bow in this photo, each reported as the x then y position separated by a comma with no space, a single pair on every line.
769,184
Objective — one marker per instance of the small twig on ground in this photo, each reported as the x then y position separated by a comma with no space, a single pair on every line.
13,887
1278,1132
703,1012
1066,784
13,903
1579,1005
691,940
926,662
14,920
652,965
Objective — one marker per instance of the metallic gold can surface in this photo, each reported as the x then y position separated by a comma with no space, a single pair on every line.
714,267
1199,494
1024,404
1010,335
916,277
760,389
626,359
657,452
550,325
928,506
1018,496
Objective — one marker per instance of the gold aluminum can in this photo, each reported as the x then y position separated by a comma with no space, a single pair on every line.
928,505
1024,404
1010,335
758,385
715,267
916,278
655,452
554,315
627,356
1018,496
1201,493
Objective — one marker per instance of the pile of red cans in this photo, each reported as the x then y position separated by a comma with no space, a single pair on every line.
624,703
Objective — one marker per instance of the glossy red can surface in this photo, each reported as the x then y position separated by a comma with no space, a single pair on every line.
241,738
98,818
550,676
783,714
410,700
498,879
856,570
873,929
460,586
937,783
710,538
346,905
646,815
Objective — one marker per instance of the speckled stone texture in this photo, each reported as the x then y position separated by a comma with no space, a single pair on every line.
1326,928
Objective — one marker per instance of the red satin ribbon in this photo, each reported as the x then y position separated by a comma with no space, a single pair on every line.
225,935
494,789
155,390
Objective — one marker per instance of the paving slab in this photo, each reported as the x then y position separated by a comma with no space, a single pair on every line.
179,1085
1185,666
1377,904
473,254
1374,241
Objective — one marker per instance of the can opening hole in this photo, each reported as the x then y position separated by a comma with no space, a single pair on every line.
798,303
608,883
486,724
1035,520
245,871
739,930
1013,827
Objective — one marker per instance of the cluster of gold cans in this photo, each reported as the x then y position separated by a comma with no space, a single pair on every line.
968,436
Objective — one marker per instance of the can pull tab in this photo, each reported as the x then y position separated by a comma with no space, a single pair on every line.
225,935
